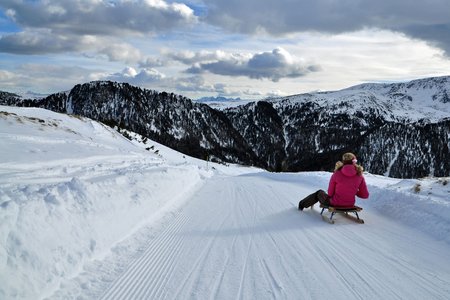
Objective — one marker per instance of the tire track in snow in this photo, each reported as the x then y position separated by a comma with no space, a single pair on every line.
271,279
265,265
188,281
250,244
242,238
344,256
338,271
186,286
228,259
141,277
218,283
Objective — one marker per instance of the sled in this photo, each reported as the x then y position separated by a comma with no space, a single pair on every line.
345,211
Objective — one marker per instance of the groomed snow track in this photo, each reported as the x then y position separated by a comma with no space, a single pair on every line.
242,238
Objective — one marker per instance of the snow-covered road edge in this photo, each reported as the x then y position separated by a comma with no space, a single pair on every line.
70,190
82,219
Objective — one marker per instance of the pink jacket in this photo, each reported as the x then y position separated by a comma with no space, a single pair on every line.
344,185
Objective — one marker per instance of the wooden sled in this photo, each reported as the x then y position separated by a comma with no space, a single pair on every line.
345,211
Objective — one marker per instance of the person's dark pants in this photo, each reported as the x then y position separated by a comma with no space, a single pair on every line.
319,196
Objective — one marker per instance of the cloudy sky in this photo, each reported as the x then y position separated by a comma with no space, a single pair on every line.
233,48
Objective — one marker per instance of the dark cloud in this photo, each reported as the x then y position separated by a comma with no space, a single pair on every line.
45,42
437,35
272,65
151,62
428,20
62,26
95,17
191,84
153,79
40,42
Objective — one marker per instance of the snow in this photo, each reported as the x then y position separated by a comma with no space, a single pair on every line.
222,103
402,102
88,214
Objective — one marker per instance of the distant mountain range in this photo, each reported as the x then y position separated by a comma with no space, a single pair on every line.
221,102
399,129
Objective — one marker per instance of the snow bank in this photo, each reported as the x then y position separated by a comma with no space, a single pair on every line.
71,188
420,203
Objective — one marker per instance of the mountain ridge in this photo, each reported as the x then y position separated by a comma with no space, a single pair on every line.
302,132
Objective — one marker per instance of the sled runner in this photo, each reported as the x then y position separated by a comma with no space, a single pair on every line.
342,210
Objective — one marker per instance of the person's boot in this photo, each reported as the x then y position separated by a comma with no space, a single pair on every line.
323,198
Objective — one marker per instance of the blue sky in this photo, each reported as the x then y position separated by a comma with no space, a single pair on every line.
247,49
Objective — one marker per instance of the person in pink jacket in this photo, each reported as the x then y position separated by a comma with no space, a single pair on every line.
346,182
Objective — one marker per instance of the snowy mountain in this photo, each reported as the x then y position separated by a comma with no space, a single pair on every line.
221,102
400,130
86,213
390,137
170,119
393,135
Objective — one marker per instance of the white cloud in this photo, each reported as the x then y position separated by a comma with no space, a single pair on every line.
128,72
132,76
43,78
8,78
121,52
11,13
190,57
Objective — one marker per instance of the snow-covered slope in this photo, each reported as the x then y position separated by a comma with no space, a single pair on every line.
70,188
423,99
85,212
